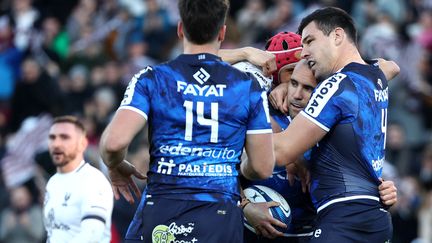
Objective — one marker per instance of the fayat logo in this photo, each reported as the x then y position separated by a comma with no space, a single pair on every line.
167,234
201,76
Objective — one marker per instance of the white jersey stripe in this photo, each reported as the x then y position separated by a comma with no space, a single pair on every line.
140,112
315,121
261,131
344,199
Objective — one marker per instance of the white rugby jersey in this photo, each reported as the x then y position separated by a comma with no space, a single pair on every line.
72,197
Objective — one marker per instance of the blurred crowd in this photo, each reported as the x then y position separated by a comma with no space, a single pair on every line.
77,56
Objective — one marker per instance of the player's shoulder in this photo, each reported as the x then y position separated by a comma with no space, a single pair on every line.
90,173
358,71
332,84
145,72
254,73
52,180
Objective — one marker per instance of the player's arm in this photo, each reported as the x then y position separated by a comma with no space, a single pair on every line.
96,209
389,68
260,161
253,55
113,147
301,135
118,135
92,230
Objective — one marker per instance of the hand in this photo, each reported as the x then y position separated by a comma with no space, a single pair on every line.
388,192
278,98
122,183
298,169
257,214
261,58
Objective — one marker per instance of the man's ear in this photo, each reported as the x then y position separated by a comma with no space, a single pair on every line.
221,34
180,33
339,36
84,142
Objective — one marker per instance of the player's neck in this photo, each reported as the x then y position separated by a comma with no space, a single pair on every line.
190,48
348,56
71,166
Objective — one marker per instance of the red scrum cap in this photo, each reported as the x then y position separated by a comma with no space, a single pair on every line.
287,48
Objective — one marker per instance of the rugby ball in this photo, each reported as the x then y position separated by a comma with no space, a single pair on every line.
258,194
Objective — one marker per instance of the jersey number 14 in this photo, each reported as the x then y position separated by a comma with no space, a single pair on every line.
212,122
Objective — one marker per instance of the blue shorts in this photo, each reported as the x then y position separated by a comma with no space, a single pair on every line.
166,220
251,237
353,221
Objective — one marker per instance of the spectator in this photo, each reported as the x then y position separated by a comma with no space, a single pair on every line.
22,221
10,60
36,93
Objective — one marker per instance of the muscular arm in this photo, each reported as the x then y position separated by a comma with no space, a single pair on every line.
118,134
113,146
260,162
301,135
253,55
389,68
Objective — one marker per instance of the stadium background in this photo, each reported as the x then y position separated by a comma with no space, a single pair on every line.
77,56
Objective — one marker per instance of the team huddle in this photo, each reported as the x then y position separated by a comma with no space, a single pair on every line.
305,118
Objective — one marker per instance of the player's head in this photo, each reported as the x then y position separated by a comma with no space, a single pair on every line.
202,21
327,34
67,141
286,46
300,88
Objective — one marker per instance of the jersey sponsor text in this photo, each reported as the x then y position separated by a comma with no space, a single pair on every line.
179,149
381,95
324,92
197,90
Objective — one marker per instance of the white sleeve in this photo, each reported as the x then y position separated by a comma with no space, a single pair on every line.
92,231
96,208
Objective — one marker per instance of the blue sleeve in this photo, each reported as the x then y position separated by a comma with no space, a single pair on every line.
259,117
281,119
334,101
137,96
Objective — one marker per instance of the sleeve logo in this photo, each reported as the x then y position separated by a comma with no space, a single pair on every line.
130,89
323,94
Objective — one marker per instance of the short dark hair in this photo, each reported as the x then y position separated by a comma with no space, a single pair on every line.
70,119
329,18
202,19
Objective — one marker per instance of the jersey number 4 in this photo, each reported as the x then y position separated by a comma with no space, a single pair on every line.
384,124
212,122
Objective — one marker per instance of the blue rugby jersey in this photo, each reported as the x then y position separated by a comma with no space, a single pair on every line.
351,106
302,209
199,110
